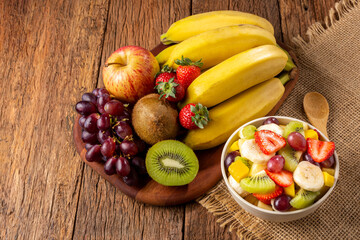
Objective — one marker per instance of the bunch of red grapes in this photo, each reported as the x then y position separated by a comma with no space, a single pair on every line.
109,137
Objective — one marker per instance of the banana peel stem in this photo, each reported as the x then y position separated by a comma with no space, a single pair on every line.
164,40
289,65
284,78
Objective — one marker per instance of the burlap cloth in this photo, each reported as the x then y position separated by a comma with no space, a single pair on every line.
329,63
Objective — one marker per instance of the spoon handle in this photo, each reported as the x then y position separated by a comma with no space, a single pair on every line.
319,124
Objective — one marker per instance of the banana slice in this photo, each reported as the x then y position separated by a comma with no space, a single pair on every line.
308,176
236,186
250,150
272,127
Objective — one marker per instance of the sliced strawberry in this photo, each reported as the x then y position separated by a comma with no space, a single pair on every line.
265,198
269,142
283,178
320,150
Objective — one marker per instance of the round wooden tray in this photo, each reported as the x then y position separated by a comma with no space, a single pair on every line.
209,160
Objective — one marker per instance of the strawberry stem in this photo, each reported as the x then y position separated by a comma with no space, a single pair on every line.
201,117
188,62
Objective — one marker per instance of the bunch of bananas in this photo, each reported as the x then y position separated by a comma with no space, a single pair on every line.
240,63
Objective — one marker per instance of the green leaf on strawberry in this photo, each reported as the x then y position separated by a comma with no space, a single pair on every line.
194,116
188,62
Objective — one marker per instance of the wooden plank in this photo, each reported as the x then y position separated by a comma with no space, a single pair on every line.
196,215
298,15
49,54
104,212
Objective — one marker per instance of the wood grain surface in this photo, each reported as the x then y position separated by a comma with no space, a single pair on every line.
50,53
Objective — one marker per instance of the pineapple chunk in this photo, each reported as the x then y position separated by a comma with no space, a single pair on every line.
290,190
238,170
256,168
234,146
311,134
264,206
330,171
328,179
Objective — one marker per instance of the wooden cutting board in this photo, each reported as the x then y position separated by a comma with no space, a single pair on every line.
209,161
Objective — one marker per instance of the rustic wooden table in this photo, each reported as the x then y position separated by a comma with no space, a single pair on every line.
53,51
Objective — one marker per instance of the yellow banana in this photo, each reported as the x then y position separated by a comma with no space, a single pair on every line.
199,23
164,55
236,74
228,116
215,46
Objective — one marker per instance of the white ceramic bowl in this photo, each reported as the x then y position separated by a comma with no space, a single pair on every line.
266,214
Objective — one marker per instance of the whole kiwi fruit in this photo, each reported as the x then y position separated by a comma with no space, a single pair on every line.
154,119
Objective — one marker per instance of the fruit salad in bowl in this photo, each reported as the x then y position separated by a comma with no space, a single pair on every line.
279,168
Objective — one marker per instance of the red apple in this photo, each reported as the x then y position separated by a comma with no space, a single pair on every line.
129,73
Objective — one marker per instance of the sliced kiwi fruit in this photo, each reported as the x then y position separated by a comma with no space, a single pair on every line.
260,183
248,132
245,161
171,163
303,199
293,126
291,157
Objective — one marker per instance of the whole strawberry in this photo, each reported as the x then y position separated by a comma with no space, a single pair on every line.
165,75
187,71
194,116
170,90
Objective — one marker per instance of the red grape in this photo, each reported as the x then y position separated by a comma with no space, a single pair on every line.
99,92
103,135
103,122
108,147
103,91
139,163
328,163
88,146
271,120
89,137
140,144
308,158
114,107
90,123
93,154
109,166
85,108
122,167
102,100
230,158
297,141
132,179
101,109
129,148
276,163
82,120
123,130
90,97
282,203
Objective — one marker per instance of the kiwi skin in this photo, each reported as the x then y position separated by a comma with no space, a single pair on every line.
162,154
154,120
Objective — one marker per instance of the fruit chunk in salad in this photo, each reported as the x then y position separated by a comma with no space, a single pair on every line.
280,167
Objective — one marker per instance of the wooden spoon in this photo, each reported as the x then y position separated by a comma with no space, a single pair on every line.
317,110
